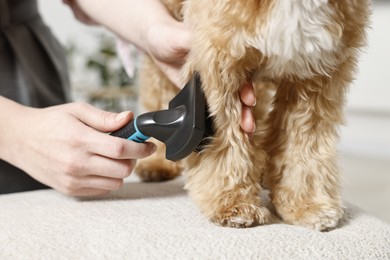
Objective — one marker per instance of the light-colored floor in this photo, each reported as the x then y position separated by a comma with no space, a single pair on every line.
367,184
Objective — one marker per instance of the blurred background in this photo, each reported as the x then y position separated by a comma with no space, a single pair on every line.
98,78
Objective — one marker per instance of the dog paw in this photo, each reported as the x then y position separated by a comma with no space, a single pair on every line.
242,216
318,217
157,172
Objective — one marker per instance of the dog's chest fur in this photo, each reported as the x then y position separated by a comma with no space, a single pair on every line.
298,37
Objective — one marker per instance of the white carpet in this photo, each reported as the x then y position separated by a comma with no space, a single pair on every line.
158,221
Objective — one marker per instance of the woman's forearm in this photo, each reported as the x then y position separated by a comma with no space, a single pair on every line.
130,19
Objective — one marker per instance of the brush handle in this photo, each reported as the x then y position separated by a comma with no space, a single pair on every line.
131,132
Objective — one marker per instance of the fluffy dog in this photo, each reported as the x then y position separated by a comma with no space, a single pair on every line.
301,56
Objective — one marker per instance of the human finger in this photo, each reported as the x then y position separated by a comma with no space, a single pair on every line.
247,94
116,147
247,120
99,119
87,192
74,186
106,167
100,183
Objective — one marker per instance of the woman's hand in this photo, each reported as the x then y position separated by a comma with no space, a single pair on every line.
66,147
78,13
168,44
248,100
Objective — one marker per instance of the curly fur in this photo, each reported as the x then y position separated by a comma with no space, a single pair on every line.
301,56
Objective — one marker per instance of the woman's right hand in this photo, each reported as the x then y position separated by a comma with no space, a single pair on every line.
66,147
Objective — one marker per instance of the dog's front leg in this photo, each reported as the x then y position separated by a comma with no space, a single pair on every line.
222,179
303,174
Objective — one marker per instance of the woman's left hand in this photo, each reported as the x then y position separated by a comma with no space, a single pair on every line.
78,13
248,99
168,45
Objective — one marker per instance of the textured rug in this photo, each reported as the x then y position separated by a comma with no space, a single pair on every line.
159,221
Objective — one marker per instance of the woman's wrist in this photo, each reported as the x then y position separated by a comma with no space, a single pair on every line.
9,118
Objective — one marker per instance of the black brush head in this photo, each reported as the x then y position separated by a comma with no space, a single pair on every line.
190,132
181,127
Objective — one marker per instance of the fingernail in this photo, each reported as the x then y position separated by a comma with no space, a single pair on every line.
121,116
255,103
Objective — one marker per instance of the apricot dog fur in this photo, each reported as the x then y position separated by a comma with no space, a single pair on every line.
301,56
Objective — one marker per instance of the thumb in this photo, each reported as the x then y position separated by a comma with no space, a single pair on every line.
183,40
99,119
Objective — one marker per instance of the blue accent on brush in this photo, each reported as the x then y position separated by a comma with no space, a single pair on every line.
138,136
